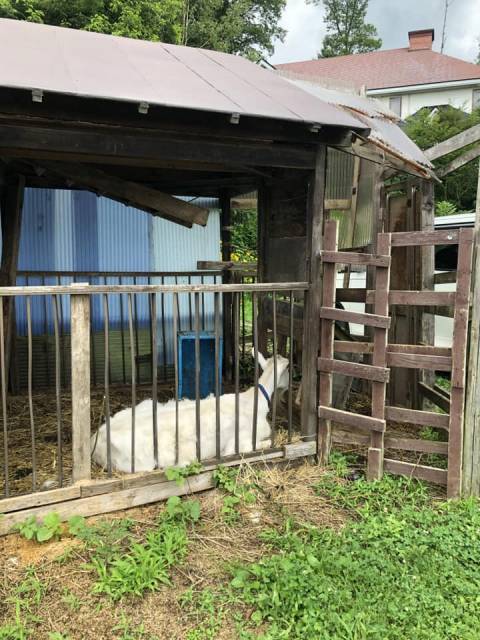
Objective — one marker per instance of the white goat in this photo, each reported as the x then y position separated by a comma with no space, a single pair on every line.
121,426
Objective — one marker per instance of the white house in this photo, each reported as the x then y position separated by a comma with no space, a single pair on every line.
406,79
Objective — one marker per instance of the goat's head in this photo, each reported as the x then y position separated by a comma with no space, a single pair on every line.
268,367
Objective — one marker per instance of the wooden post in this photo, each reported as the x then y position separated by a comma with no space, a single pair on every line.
11,220
80,340
313,298
471,462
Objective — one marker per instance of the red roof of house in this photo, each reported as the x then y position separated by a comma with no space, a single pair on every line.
390,68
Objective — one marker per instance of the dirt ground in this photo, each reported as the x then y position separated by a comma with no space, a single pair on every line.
68,606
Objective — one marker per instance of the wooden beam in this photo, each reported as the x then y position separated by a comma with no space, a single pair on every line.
456,163
101,144
355,420
313,298
158,203
410,470
454,143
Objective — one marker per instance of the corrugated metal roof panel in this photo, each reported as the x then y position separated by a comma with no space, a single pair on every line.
101,66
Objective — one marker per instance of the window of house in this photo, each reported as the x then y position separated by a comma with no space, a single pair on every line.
395,105
476,99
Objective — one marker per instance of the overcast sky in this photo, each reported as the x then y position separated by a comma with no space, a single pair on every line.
393,19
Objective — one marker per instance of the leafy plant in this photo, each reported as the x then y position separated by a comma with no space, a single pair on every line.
72,601
146,566
202,608
57,635
40,531
445,208
107,538
128,631
179,474
228,479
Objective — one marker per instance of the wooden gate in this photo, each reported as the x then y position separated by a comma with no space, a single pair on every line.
372,430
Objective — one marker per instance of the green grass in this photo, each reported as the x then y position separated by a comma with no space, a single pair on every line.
403,567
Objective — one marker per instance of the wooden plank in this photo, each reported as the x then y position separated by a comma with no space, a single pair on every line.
355,420
354,369
339,204
413,416
420,349
326,343
132,193
415,444
299,450
342,315
7,505
153,288
313,298
110,502
350,437
459,351
101,144
351,295
352,346
471,447
417,298
417,361
419,238
454,143
347,257
461,161
447,277
379,358
434,396
421,472
80,349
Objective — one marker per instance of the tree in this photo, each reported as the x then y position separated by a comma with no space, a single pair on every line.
427,128
347,31
246,27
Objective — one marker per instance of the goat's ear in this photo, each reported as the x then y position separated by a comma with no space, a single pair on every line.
261,360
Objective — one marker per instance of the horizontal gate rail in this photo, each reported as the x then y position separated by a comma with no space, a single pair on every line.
354,369
424,238
368,319
421,472
412,416
417,361
345,257
355,420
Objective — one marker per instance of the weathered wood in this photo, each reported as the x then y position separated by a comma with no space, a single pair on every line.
299,450
351,295
28,501
109,502
435,396
353,369
417,361
421,472
80,347
458,162
352,346
326,344
370,319
416,298
313,299
355,420
471,447
347,346
414,444
11,221
379,357
447,277
454,143
101,144
459,357
347,257
339,204
131,193
413,416
419,238
220,265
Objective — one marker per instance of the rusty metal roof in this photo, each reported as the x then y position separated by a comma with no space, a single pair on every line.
93,65
388,138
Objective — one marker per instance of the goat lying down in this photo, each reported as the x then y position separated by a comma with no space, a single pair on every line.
121,425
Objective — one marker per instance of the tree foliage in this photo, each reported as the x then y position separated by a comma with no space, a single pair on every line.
427,128
347,29
247,27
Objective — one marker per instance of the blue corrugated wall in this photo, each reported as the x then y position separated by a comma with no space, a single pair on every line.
77,231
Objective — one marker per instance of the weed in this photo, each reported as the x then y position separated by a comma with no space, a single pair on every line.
105,539
56,635
128,631
16,630
228,510
201,606
403,570
228,479
146,566
72,601
180,474
32,529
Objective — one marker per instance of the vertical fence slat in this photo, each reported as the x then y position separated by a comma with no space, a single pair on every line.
58,385
153,329
237,371
255,365
197,376
106,369
28,303
80,340
164,333
290,369
275,366
175,366
217,373
4,400
133,377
